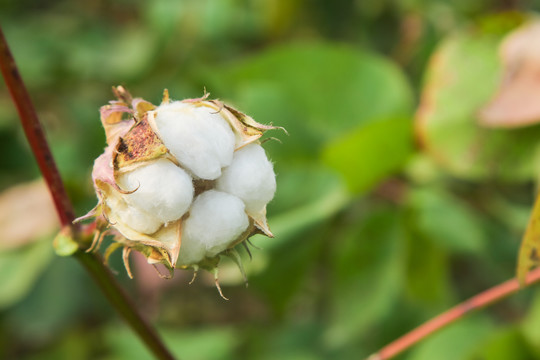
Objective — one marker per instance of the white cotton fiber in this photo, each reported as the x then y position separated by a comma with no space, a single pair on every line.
201,141
139,220
250,177
216,219
131,216
161,189
191,251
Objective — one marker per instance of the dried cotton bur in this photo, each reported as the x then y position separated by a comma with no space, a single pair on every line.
182,183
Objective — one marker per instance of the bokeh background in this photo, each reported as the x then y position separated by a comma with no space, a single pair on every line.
393,202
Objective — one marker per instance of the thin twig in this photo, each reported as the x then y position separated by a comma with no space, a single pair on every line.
479,301
123,304
34,133
64,209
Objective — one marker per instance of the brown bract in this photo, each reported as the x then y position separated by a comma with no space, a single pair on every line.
139,145
517,102
26,215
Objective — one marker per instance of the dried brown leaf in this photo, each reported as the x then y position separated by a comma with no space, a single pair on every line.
517,102
27,214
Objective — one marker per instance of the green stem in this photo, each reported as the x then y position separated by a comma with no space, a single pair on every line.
40,148
123,304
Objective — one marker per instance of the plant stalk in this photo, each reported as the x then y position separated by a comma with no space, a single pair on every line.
123,304
478,301
42,153
34,133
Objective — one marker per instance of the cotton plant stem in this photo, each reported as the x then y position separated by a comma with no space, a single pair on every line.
123,304
34,133
479,301
93,264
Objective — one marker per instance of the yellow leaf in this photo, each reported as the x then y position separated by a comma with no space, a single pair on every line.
529,253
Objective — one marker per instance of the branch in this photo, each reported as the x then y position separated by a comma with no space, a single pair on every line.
123,304
40,148
34,133
479,301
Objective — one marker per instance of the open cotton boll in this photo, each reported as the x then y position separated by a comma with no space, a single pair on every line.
191,250
131,216
139,220
250,177
161,189
219,133
182,182
201,141
216,219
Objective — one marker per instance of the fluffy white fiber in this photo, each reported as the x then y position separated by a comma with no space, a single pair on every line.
162,193
131,216
191,250
201,141
250,177
216,219
161,189
139,220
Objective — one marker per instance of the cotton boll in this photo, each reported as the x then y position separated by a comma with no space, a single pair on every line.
201,141
250,177
161,189
191,250
218,133
131,216
216,219
140,221
171,183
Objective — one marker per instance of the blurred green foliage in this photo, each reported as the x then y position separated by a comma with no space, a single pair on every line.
373,235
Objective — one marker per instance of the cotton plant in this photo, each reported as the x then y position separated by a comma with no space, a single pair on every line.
182,183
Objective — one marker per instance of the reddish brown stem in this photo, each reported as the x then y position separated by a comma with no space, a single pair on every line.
34,133
36,137
481,300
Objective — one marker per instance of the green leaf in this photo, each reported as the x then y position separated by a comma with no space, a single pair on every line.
316,91
57,301
428,278
368,275
371,152
308,197
78,343
446,220
113,56
531,324
200,344
502,345
463,75
307,209
301,184
454,342
288,265
20,269
293,340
